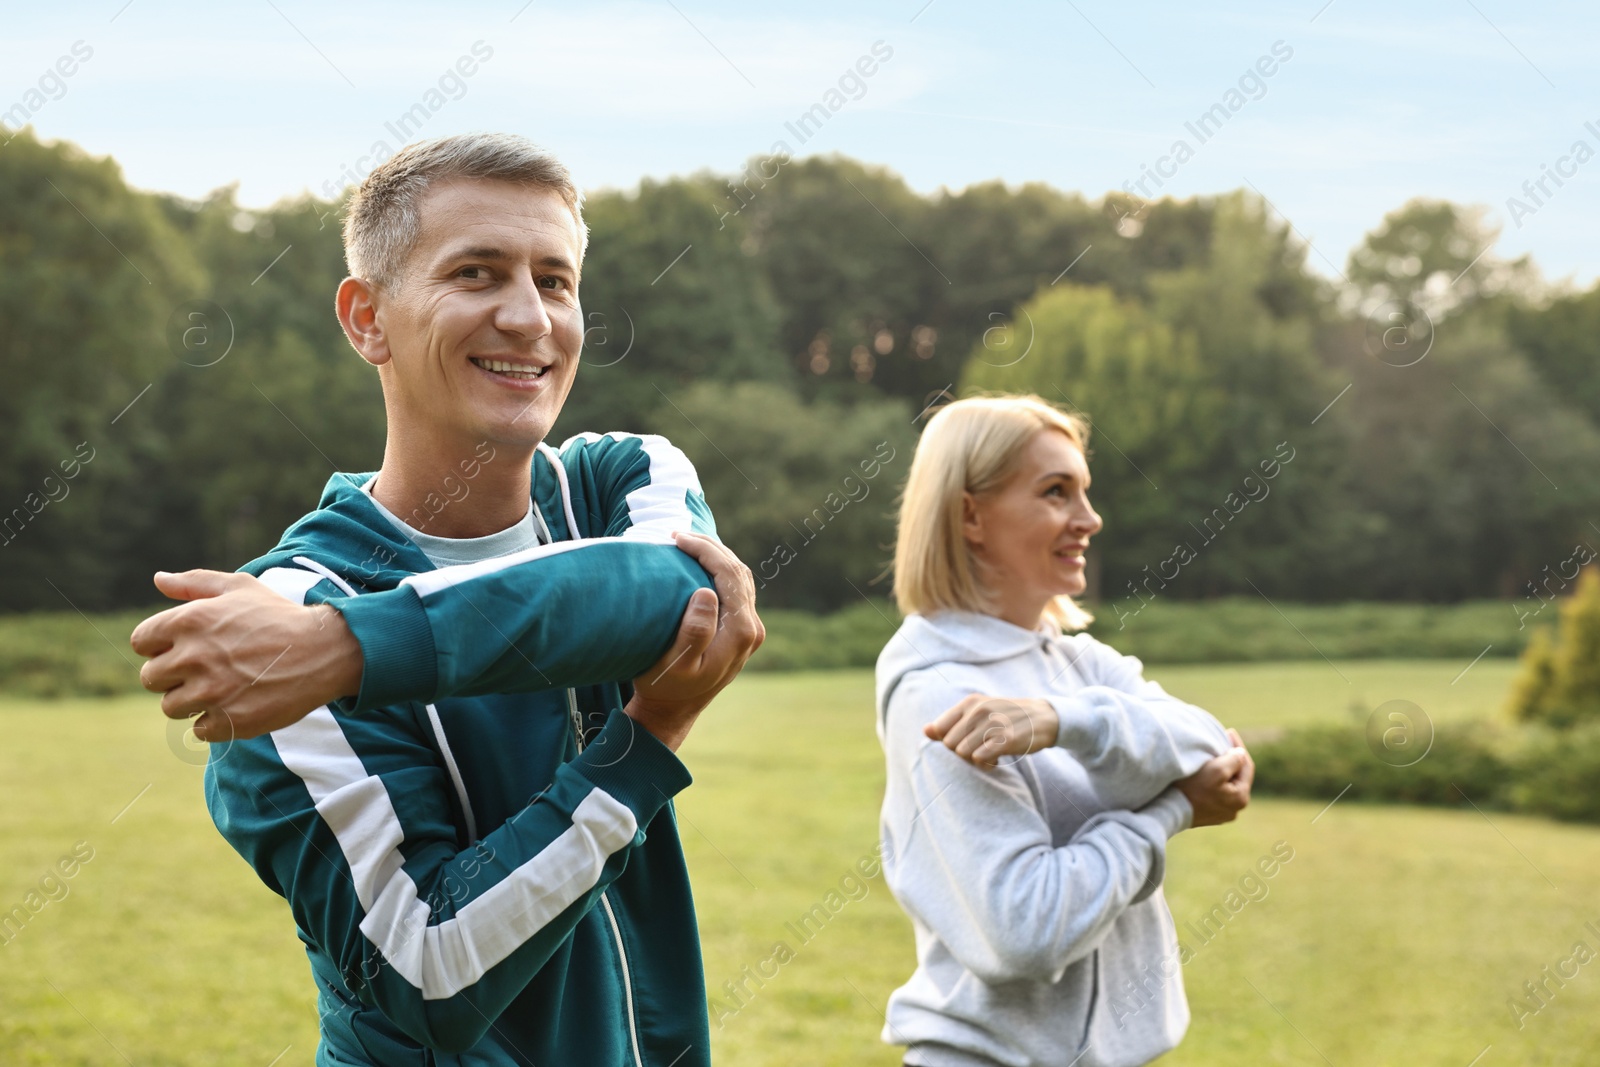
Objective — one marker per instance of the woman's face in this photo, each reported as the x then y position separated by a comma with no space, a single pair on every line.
1028,537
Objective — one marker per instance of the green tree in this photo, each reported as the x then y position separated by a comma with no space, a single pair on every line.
845,249
1002,245
1144,390
671,296
1190,331
1430,254
1439,397
804,493
1255,313
1511,471
89,273
1562,340
1191,394
255,434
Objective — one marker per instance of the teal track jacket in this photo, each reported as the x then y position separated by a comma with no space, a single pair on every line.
480,850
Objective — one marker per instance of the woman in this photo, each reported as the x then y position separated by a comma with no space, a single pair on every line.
1025,833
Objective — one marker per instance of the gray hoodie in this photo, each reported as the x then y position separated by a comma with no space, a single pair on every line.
1034,889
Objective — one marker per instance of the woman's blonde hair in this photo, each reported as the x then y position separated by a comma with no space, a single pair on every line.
972,445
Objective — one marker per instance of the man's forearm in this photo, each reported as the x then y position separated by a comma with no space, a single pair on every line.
600,612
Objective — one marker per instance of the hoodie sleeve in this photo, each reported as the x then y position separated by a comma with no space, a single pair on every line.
969,854
349,818
1132,736
577,612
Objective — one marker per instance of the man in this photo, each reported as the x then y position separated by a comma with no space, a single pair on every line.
424,739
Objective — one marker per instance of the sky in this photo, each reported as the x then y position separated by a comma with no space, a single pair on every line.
1367,104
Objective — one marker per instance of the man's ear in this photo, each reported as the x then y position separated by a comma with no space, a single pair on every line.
357,307
971,521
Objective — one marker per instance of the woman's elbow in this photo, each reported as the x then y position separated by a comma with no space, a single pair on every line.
1012,952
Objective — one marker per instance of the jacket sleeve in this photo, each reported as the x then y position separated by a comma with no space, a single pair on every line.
576,612
349,818
973,858
1131,735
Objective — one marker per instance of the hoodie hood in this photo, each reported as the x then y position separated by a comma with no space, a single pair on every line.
953,637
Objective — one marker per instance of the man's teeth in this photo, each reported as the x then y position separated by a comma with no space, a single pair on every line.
511,370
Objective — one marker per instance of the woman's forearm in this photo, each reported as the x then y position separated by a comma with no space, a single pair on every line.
1134,746
976,865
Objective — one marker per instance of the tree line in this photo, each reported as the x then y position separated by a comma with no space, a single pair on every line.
790,327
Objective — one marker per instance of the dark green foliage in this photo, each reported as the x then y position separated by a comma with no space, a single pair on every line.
840,244
1562,341
1468,473
819,306
258,433
670,298
87,273
1225,630
805,494
1439,468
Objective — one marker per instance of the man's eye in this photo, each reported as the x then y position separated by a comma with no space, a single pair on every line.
471,273
551,282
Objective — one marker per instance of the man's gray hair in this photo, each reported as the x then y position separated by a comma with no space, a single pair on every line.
381,223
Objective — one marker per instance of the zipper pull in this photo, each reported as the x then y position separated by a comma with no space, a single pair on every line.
577,719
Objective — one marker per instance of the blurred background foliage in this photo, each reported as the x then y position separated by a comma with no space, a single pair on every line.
812,309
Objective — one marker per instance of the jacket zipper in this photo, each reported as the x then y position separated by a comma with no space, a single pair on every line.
611,916
627,981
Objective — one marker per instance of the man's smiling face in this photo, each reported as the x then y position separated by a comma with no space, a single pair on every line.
483,326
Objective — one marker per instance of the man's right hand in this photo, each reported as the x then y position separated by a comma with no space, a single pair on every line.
718,634
242,657
1220,789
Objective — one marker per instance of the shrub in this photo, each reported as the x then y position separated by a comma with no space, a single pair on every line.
1559,683
64,654
1545,771
1225,630
1465,761
851,637
1232,629
1529,696
1558,774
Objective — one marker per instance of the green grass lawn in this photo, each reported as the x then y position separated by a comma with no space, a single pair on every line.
1394,936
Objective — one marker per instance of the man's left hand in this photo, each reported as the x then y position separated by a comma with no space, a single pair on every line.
712,646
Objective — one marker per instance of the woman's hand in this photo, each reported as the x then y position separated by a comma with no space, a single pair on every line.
980,728
1220,789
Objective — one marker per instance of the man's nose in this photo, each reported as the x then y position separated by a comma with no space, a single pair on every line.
522,312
